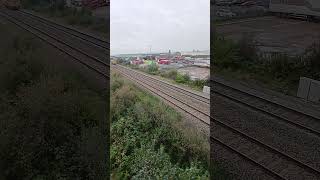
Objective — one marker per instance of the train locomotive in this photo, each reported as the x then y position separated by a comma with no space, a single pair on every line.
308,9
12,4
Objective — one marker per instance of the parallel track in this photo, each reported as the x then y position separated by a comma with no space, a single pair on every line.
230,133
167,93
233,139
197,96
273,161
292,116
73,32
53,38
259,153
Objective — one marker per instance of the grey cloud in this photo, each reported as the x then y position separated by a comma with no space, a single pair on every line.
179,25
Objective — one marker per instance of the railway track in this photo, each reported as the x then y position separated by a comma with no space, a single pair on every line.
306,121
198,96
273,161
189,102
96,41
79,46
259,150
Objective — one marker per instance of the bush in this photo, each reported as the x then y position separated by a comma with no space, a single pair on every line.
311,61
226,54
145,141
280,71
247,48
199,83
182,78
49,120
20,65
152,69
171,74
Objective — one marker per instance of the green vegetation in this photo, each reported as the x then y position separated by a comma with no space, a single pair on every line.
152,69
72,16
149,139
183,79
281,72
173,75
49,119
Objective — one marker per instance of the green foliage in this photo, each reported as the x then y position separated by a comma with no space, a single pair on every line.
49,120
145,143
182,78
152,68
279,70
72,16
311,61
185,79
199,83
226,54
19,64
247,49
170,74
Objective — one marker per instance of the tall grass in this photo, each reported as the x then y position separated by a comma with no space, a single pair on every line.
148,141
49,119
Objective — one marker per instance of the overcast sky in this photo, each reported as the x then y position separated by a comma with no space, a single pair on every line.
178,25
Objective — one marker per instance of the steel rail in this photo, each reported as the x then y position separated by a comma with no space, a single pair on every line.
173,87
62,42
18,23
155,92
102,43
270,172
260,143
242,134
286,120
129,71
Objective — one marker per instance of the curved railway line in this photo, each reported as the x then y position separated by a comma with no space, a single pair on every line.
277,164
173,94
198,96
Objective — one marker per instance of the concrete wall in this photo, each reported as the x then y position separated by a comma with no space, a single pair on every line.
309,89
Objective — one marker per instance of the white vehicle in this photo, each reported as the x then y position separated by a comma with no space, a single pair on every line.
225,13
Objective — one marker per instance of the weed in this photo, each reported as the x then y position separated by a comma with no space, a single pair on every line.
280,71
147,140
153,69
49,120
182,78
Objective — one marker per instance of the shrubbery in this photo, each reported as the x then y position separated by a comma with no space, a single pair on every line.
182,78
72,16
153,68
49,120
277,68
145,142
170,74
